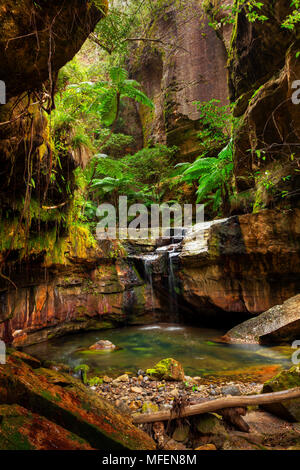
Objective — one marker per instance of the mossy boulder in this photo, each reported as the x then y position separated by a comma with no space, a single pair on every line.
66,402
167,369
22,430
181,432
290,409
209,423
103,345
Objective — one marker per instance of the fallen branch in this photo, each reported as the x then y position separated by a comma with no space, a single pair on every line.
219,404
51,208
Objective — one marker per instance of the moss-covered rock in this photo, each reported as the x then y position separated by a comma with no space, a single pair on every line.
209,423
65,401
149,407
285,380
22,430
167,369
181,432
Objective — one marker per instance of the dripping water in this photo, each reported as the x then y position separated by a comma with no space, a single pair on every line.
149,277
173,296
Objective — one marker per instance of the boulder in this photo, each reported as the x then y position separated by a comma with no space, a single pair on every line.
181,432
289,410
241,266
167,369
22,430
279,323
103,344
209,423
67,403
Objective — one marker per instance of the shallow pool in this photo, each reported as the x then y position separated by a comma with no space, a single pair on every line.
198,349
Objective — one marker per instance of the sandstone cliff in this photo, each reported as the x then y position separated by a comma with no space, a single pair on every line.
186,64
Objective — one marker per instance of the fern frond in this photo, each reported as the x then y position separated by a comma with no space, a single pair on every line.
118,74
132,92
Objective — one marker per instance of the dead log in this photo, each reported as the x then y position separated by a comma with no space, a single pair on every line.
219,404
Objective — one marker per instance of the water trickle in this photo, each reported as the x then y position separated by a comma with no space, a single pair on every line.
173,296
148,260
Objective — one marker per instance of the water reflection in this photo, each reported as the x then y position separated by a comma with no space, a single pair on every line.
198,349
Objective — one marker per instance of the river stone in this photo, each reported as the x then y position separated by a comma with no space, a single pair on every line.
136,390
107,379
207,447
167,369
230,390
290,409
209,423
149,407
181,433
103,344
122,378
278,324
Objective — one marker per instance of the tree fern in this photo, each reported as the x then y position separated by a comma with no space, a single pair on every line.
212,173
104,97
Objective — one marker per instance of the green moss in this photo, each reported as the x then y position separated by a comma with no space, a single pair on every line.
84,368
284,380
167,369
94,381
149,407
49,396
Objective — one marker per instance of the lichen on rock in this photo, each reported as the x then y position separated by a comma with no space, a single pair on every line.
167,369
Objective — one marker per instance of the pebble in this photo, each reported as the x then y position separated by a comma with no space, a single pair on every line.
107,379
122,378
136,390
130,394
230,390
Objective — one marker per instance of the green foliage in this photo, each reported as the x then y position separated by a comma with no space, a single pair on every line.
212,174
128,22
294,17
217,124
226,14
83,368
137,176
150,165
92,382
114,145
255,12
102,98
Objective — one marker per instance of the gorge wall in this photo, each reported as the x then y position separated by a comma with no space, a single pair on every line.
187,63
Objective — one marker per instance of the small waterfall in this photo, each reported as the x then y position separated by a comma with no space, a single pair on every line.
172,255
159,269
172,252
148,260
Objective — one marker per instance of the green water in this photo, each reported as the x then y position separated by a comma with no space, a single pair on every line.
141,347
